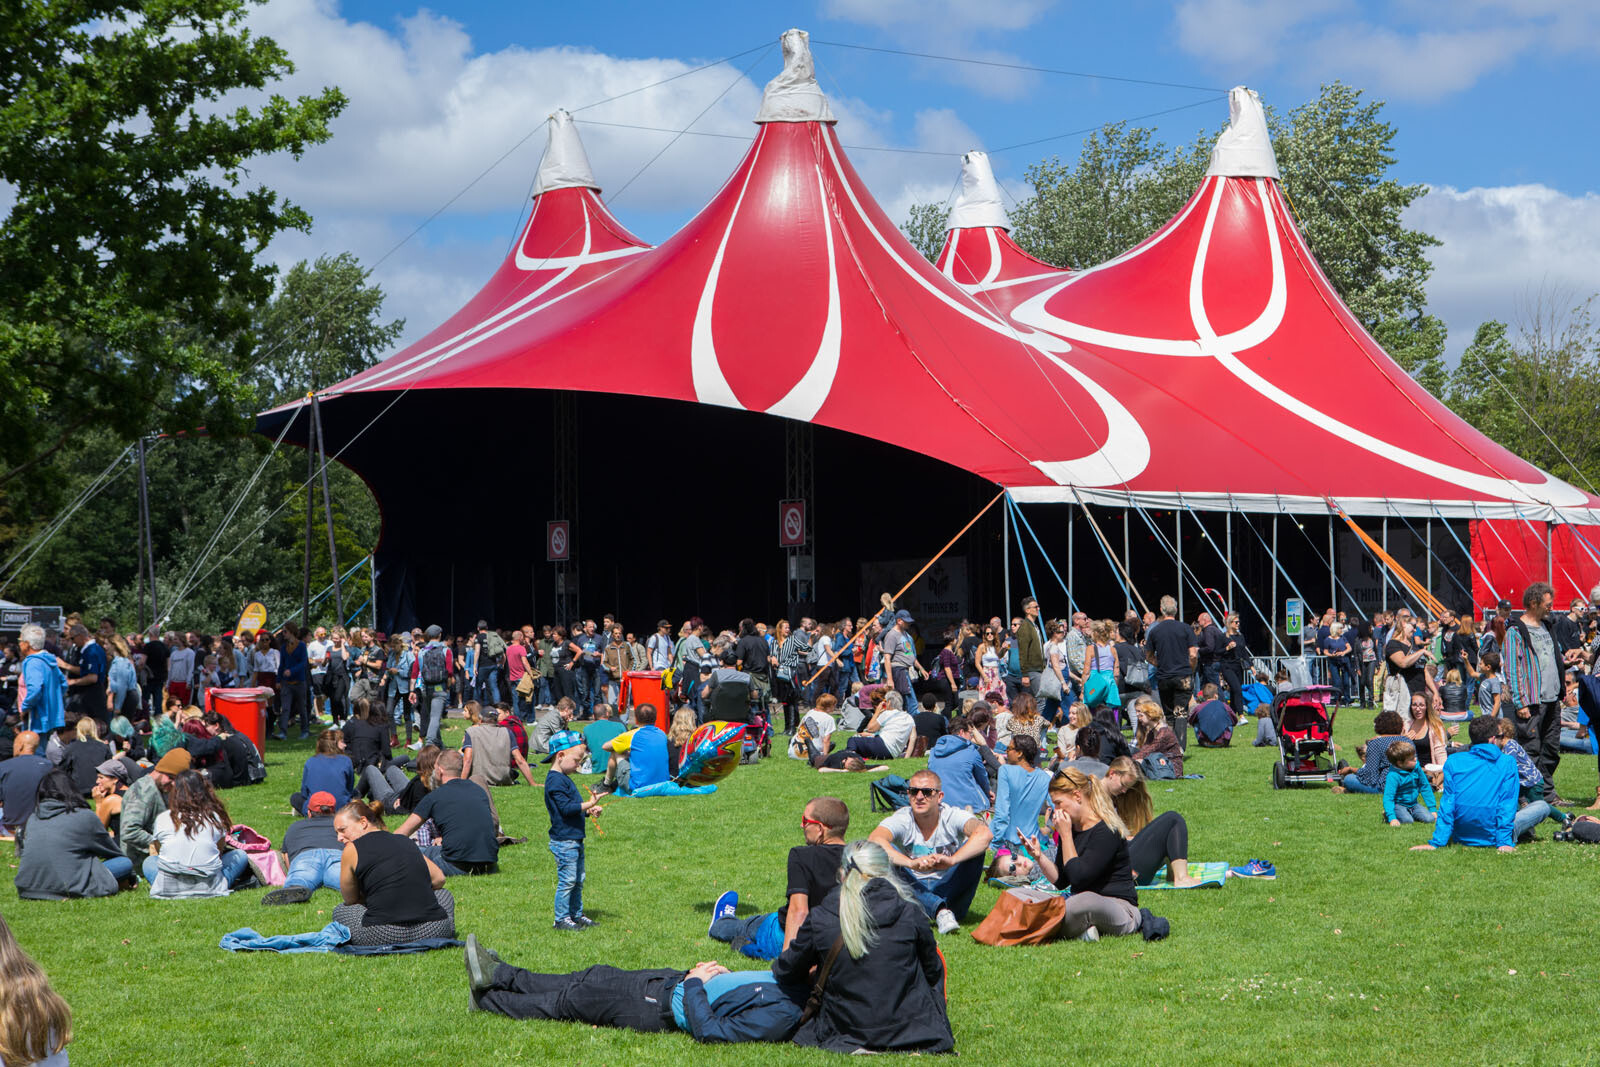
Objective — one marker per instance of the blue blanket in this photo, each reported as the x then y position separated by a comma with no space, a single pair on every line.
334,937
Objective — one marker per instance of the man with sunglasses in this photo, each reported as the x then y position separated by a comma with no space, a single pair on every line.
813,874
937,850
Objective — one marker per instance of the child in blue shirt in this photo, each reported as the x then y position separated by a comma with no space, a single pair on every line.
1407,793
567,811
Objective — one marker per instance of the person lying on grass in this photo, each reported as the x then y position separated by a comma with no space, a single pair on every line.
1407,791
813,872
1091,859
1479,805
710,1002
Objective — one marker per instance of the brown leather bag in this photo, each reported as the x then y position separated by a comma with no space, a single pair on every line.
1022,916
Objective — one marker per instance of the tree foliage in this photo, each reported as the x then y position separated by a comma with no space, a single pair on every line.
128,259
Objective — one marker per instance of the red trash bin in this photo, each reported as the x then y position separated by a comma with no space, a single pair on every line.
246,709
644,687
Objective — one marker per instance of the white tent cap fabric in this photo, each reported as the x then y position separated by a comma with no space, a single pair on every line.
979,204
794,95
1245,148
565,164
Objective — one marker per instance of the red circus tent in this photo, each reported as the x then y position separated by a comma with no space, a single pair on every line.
1212,366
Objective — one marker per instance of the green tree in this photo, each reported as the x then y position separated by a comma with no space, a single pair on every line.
128,260
320,327
925,229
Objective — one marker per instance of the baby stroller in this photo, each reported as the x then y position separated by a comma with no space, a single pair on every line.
1304,725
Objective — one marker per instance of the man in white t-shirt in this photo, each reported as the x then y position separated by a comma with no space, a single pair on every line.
937,850
887,734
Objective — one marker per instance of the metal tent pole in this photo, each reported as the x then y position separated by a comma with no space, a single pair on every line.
1549,556
1275,566
1384,574
1072,578
1177,541
1228,535
1128,597
1427,541
1005,542
311,480
327,510
147,556
1333,569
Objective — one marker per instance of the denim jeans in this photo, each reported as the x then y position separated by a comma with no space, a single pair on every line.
488,688
569,878
234,864
953,889
292,703
760,937
543,688
1416,811
588,679
431,705
120,867
1530,815
519,704
1356,785
314,868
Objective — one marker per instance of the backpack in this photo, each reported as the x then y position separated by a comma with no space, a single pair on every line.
255,771
434,665
888,793
494,647
1156,767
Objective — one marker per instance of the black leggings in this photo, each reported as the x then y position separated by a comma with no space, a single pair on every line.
1233,674
1164,839
599,995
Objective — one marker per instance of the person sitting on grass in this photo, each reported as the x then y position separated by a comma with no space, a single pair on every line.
638,758
38,1022
958,761
110,783
1479,805
1212,719
679,734
1021,795
1155,737
465,819
1154,841
313,847
813,872
1092,859
1078,717
489,755
552,722
1086,753
885,990
191,854
1407,792
888,734
144,801
816,728
69,853
328,770
1530,781
603,729
1426,732
391,892
937,850
1390,728
395,793
709,1002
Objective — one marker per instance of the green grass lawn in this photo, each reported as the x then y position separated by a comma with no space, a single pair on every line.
1361,950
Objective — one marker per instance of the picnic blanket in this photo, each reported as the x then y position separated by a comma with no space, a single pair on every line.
334,937
1211,875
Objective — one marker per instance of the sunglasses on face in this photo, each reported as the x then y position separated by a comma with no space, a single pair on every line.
921,791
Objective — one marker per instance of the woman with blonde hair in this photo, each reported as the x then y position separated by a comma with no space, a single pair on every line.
678,734
35,1023
1101,670
1154,841
882,976
1091,859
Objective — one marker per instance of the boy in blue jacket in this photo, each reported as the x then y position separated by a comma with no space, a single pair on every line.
1407,793
956,760
1479,806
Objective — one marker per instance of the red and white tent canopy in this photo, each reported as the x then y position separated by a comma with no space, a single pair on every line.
1211,366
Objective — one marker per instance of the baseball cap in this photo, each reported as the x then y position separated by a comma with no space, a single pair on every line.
903,616
561,741
434,633
113,768
321,800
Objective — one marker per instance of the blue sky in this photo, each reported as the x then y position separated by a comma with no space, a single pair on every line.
1493,101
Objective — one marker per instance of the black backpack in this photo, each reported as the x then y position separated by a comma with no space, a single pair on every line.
888,793
434,669
255,771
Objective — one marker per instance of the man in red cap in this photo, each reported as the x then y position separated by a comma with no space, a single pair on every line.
313,849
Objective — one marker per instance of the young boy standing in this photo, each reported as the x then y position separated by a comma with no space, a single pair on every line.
567,812
1407,793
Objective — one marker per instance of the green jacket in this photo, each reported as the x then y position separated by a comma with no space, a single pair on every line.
140,806
1030,647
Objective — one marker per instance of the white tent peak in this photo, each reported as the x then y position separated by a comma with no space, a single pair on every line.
565,164
794,95
979,204
1245,148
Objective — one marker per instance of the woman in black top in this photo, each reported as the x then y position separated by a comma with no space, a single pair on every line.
1091,860
366,737
885,989
392,892
84,753
1235,664
1409,663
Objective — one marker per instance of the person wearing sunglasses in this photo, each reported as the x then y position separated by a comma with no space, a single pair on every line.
936,849
813,873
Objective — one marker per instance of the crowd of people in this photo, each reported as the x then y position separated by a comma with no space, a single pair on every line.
1037,738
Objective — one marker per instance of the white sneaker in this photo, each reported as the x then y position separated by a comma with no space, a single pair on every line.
1091,934
945,920
415,746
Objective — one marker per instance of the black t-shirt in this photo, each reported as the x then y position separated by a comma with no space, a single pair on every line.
80,758
1413,674
460,809
366,744
233,769
752,650
155,660
1463,649
409,797
394,883
814,871
930,724
1101,866
315,832
835,760
1171,641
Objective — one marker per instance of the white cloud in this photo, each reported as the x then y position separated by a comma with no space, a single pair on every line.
952,15
428,114
1502,246
1417,48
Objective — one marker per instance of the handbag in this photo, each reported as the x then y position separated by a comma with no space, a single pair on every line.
1050,686
1022,916
1137,675
814,1000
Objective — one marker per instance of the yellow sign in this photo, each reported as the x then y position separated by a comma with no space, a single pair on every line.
252,619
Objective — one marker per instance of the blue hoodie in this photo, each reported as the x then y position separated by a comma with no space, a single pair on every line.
44,708
962,776
1480,798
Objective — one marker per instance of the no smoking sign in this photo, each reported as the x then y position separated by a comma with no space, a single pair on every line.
791,523
557,541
